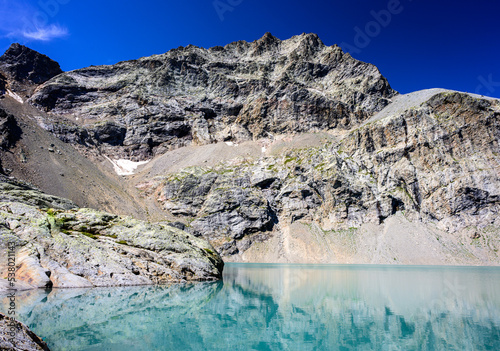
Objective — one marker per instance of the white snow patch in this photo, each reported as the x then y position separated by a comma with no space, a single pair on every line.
230,143
15,96
263,149
125,167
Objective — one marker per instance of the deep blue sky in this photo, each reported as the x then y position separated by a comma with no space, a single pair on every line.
425,43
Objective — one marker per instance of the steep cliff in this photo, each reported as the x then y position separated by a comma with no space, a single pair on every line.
431,156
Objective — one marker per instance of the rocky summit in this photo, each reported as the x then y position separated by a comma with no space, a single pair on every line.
243,91
268,151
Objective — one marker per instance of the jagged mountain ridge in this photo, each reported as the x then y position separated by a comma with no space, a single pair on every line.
382,178
243,91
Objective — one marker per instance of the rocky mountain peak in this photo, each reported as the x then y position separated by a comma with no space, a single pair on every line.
267,43
303,46
21,63
192,95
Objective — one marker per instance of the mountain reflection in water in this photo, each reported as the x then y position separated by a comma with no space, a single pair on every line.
279,307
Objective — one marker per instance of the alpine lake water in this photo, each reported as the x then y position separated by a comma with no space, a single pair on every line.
279,307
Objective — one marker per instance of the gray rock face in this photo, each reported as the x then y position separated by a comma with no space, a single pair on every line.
59,245
225,206
441,159
3,83
436,161
192,95
15,336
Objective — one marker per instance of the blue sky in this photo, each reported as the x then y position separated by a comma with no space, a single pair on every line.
416,44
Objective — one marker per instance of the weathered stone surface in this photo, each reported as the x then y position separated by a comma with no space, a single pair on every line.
225,206
15,336
59,245
436,161
193,95
3,83
12,190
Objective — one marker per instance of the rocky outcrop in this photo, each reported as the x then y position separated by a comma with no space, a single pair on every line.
225,206
15,336
3,83
192,95
23,64
439,159
60,245
9,130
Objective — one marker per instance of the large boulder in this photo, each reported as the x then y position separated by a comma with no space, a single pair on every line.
60,245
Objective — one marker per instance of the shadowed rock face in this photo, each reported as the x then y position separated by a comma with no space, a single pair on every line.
60,245
194,95
23,338
23,64
3,84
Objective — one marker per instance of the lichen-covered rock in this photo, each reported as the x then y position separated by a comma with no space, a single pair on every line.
198,96
15,336
12,190
59,245
225,206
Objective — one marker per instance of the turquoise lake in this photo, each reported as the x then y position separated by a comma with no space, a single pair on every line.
279,307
